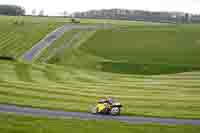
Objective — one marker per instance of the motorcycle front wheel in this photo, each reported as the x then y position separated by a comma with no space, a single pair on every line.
115,111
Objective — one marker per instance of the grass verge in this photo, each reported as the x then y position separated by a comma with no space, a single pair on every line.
10,123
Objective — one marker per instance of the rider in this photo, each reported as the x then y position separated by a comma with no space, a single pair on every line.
110,100
104,104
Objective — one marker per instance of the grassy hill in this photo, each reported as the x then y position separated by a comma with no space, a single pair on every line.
71,89
19,34
104,63
146,49
139,49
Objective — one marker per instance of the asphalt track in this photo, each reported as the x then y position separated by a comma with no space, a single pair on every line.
50,38
86,116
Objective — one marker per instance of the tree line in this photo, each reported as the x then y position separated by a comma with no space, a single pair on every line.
138,15
12,10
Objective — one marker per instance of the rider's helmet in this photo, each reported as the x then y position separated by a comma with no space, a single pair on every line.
110,100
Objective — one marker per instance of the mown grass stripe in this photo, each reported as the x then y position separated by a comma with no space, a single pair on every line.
69,92
103,89
108,90
41,95
38,103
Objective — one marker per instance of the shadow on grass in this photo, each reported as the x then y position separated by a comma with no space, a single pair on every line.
7,58
146,69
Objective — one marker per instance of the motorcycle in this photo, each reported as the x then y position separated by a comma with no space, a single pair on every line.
107,109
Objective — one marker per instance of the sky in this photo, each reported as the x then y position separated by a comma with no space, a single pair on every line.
56,7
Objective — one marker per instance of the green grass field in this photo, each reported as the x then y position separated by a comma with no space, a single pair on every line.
71,89
23,124
104,63
36,19
17,35
145,49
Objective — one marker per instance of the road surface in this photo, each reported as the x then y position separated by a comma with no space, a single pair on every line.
87,116
50,38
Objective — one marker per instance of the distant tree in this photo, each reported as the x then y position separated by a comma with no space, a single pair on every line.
187,18
12,10
65,13
34,12
41,13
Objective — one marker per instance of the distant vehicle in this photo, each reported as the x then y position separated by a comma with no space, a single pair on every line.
106,108
75,20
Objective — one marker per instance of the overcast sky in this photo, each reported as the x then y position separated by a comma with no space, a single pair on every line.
54,7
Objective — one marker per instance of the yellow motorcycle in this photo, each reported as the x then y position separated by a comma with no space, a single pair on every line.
106,108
